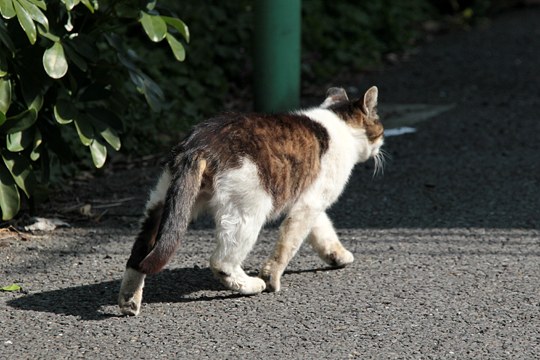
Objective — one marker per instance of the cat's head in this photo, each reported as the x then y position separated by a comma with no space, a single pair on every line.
359,114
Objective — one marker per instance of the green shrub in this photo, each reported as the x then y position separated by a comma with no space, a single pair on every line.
218,68
352,35
69,76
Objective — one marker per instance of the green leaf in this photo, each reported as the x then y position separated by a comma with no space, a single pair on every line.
70,4
75,57
85,130
48,35
84,45
178,25
21,121
154,26
3,64
88,5
37,103
54,61
145,85
6,9
151,5
14,142
108,133
176,47
19,141
12,287
36,151
35,13
99,153
21,169
40,4
102,118
35,154
5,95
10,200
38,139
26,22
65,111
33,83
112,138
2,118
5,38
125,9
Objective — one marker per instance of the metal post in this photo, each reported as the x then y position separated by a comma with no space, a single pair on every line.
277,55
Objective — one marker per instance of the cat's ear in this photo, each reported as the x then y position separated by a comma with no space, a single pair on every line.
333,96
369,106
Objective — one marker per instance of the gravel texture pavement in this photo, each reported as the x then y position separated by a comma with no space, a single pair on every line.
446,243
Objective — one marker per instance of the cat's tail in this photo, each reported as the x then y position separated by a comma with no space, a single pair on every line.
181,196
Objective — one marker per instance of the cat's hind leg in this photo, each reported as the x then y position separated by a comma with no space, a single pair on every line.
324,240
241,207
131,289
236,235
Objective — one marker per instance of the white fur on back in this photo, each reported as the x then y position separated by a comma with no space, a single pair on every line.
347,146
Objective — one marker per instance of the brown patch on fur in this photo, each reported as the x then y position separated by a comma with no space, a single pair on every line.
147,236
353,114
286,148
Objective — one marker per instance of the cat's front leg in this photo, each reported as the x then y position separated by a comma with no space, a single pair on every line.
324,240
292,233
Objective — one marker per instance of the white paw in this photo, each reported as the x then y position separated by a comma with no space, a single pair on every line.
252,286
242,283
130,304
339,258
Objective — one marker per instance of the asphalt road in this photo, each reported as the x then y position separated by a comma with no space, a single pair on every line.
447,242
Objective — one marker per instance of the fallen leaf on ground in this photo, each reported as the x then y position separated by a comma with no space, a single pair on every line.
12,287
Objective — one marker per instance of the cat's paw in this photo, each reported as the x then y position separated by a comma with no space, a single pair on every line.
130,304
131,291
240,282
252,286
338,258
271,276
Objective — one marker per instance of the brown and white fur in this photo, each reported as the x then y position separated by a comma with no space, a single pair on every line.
246,169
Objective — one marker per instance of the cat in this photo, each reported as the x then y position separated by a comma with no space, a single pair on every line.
246,169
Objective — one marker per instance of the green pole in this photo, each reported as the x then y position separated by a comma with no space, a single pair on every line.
277,55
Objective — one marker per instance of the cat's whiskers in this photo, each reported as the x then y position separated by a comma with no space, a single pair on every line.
380,161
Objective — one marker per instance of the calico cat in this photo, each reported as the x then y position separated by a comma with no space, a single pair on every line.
246,169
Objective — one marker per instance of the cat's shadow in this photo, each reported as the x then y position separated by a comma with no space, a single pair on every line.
98,301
